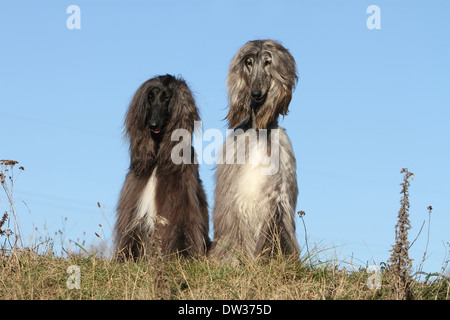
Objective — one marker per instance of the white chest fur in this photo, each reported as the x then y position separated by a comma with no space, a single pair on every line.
252,183
146,207
263,178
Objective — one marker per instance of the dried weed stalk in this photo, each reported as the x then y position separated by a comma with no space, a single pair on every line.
400,263
161,284
7,180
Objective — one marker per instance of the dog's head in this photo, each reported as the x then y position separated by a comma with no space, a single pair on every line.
159,107
159,96
262,76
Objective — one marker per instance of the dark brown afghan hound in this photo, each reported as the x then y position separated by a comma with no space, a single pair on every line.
254,209
159,195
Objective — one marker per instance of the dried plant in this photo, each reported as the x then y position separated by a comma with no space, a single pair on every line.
3,231
7,180
301,214
430,209
160,281
400,263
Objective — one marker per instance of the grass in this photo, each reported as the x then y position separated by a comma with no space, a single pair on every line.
38,273
27,275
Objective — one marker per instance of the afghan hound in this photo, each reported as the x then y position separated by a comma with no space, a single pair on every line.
159,195
254,209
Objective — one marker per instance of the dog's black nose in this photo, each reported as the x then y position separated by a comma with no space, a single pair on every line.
256,94
152,124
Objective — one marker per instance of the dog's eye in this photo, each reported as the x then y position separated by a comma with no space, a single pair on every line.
249,63
267,63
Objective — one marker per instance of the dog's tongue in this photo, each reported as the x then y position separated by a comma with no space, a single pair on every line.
156,131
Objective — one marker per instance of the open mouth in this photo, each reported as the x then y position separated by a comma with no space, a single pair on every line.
155,127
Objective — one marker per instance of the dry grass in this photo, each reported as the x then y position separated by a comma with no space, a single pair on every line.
27,275
38,273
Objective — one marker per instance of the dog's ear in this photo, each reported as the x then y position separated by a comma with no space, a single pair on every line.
182,108
136,114
182,114
238,88
284,75
283,99
142,147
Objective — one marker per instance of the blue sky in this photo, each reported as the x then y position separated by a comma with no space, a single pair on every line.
368,103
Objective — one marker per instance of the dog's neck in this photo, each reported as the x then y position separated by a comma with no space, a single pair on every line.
253,111
251,122
157,138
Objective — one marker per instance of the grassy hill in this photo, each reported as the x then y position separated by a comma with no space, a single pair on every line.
38,273
27,275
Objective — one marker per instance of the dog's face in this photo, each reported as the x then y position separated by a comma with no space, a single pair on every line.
158,108
258,66
260,79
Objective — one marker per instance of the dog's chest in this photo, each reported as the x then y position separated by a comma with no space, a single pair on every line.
146,208
252,184
252,181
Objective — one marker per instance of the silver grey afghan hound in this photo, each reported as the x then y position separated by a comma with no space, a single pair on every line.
156,188
254,209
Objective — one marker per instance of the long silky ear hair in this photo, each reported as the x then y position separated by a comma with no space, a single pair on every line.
182,114
182,108
142,146
284,78
239,86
